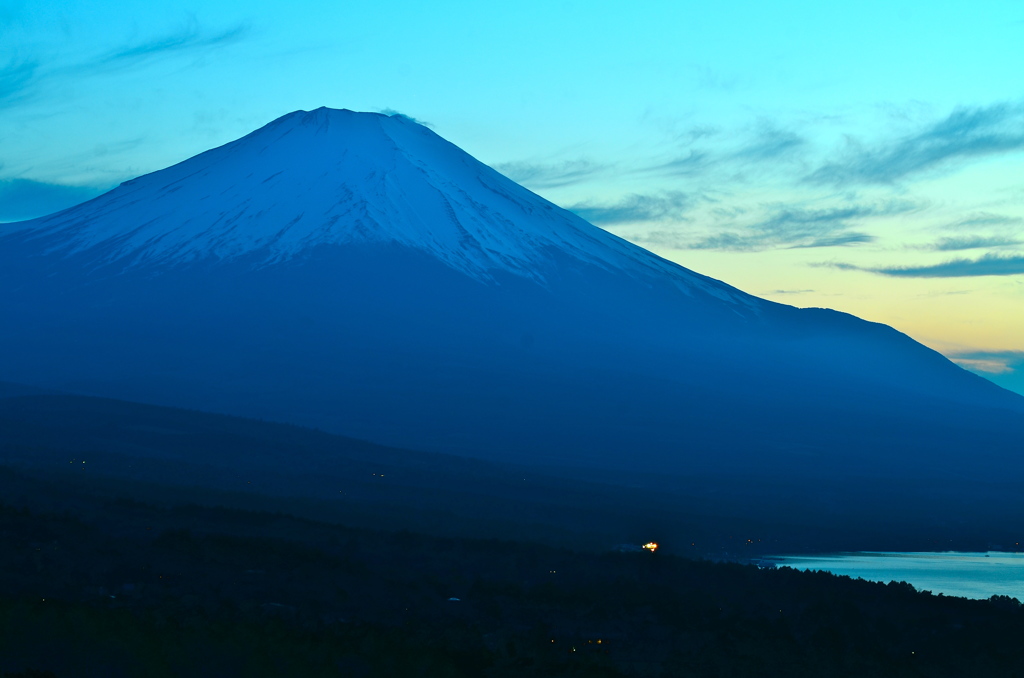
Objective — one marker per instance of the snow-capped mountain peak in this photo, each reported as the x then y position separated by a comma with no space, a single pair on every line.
334,177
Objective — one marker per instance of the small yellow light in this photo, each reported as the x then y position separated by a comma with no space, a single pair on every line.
651,546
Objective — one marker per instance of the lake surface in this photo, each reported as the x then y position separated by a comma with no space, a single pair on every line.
970,575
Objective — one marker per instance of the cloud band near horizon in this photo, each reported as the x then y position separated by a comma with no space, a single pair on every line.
989,264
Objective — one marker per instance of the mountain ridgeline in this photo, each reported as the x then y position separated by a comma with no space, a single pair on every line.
356,273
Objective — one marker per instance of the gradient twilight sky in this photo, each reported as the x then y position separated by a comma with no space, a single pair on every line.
867,158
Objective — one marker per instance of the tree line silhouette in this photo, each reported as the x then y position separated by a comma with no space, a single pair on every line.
119,587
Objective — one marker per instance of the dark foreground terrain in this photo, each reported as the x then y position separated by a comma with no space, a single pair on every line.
147,541
118,448
121,587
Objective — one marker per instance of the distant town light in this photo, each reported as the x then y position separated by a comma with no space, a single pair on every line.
651,546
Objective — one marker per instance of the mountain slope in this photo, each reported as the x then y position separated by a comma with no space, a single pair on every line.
357,273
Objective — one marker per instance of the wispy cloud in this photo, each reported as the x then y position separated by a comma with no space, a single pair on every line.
550,175
984,219
771,142
966,133
705,151
989,264
15,78
637,208
22,78
792,227
728,212
26,199
691,163
973,242
700,132
838,265
188,38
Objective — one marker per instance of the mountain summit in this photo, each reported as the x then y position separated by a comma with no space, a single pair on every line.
357,273
336,177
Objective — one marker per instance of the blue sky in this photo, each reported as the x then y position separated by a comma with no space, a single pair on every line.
867,157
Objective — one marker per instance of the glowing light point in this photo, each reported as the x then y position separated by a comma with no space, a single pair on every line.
651,546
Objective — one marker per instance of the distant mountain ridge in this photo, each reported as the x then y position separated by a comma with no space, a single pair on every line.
357,273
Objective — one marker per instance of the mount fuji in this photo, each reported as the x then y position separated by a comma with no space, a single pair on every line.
357,273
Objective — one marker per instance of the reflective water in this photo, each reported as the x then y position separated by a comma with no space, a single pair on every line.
970,575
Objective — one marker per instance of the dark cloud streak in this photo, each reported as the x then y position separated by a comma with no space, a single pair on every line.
989,264
838,240
972,242
985,219
966,133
